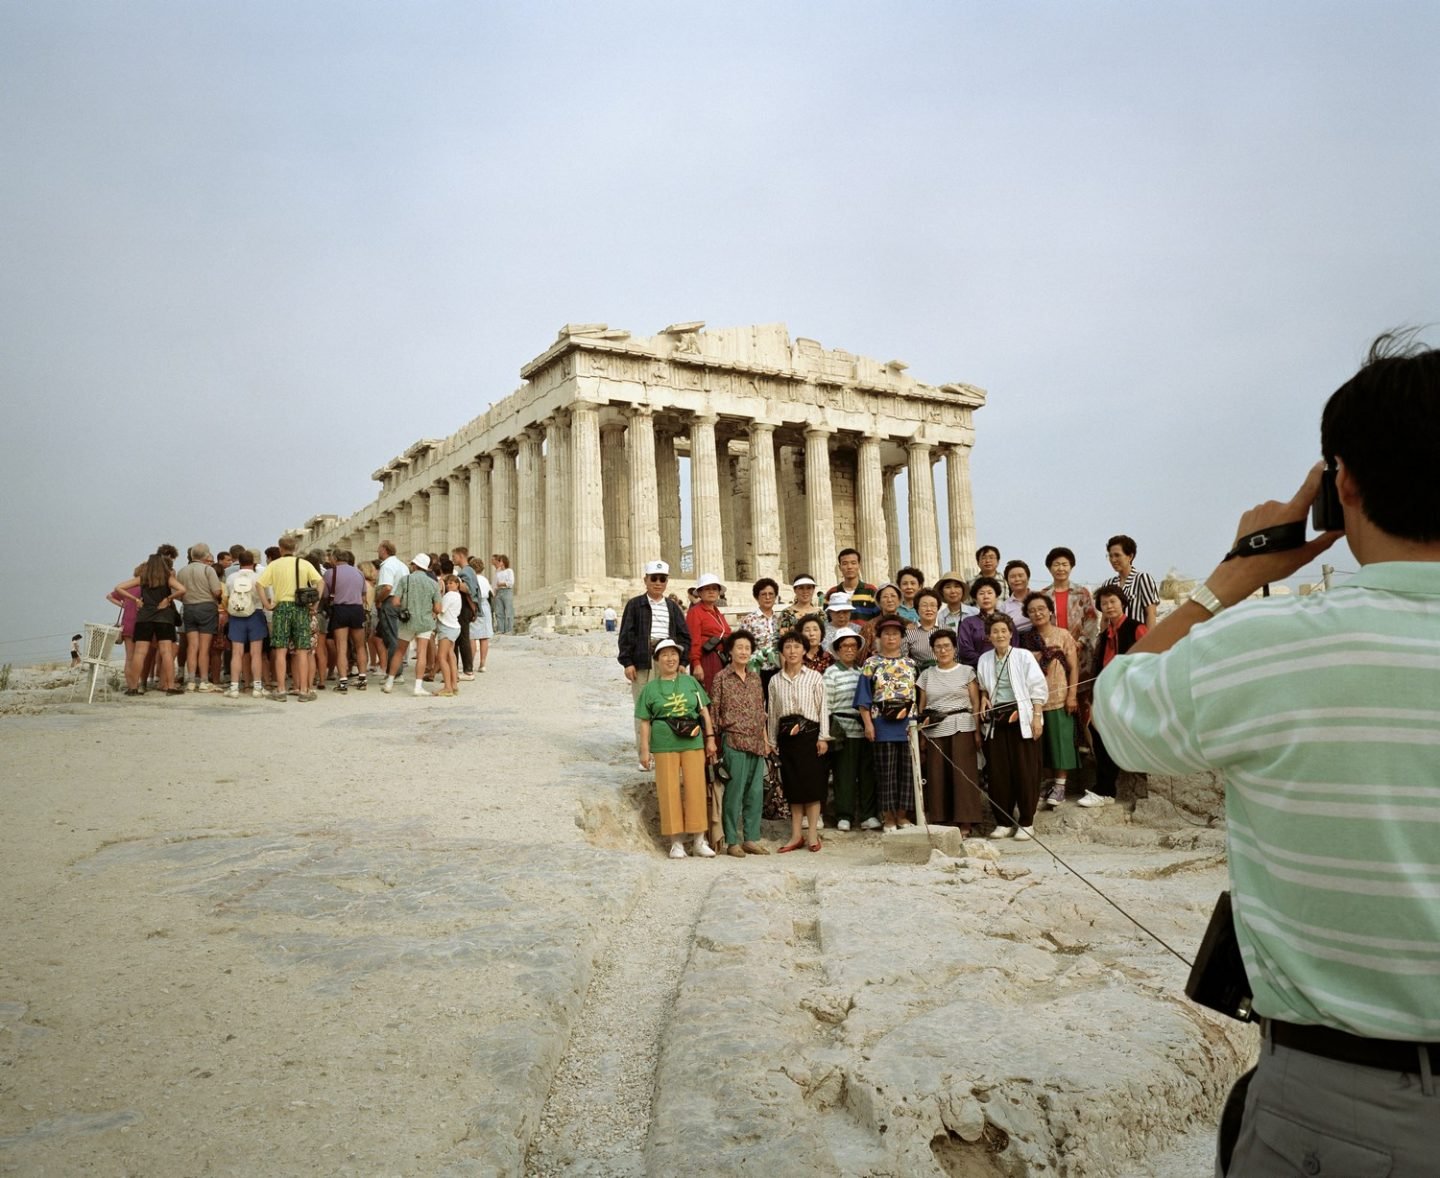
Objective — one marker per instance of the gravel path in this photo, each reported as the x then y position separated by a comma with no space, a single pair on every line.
598,1115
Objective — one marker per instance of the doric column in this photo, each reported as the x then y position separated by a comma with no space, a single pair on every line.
557,499
644,497
438,516
503,504
727,510
796,514
923,548
457,510
704,495
739,487
870,485
764,503
667,488
530,512
940,545
477,524
420,530
892,528
613,462
587,494
818,498
385,522
962,509
404,543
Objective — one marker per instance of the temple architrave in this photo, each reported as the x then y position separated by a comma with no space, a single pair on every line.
793,452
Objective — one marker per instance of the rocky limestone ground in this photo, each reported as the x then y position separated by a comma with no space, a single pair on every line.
386,935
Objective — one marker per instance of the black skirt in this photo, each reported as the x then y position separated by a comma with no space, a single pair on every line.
805,774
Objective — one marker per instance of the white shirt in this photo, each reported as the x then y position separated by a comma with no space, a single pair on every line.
504,578
659,618
450,610
391,570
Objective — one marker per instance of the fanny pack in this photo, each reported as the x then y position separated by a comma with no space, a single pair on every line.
894,709
797,725
685,727
934,715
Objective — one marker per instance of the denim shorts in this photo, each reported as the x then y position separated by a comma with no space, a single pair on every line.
450,632
246,630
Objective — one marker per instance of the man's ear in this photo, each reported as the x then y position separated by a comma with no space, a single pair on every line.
1345,485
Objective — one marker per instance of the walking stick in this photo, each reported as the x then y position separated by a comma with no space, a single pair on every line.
916,779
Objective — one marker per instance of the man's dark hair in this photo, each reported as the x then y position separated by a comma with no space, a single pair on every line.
238,551
1016,564
1057,552
1127,545
1109,591
844,552
980,582
983,549
1384,422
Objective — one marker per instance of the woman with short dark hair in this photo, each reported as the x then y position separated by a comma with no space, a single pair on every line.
948,702
909,581
1059,661
156,619
974,631
763,625
737,706
798,727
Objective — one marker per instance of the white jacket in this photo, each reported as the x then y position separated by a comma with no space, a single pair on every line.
1027,681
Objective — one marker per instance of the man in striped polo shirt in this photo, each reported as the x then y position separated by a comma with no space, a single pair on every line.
1323,713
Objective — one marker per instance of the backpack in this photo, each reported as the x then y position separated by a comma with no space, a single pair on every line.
241,598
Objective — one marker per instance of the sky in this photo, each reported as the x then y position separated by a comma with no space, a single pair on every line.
251,251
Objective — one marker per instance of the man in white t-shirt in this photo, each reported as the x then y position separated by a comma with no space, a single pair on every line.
387,624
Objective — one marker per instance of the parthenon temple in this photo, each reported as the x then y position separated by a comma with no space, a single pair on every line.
793,453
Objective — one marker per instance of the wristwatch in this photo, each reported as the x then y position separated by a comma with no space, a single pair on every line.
1204,596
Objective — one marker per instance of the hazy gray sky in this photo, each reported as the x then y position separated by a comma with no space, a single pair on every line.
249,251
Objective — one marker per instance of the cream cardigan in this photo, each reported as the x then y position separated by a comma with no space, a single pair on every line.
1027,681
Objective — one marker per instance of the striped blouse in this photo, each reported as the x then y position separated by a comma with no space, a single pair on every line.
804,694
840,683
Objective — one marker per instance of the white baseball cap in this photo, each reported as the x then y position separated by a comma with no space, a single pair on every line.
657,568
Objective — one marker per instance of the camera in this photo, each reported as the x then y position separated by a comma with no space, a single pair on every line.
1326,513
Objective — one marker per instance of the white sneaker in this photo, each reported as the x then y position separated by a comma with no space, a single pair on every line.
192,686
700,847
1002,832
389,685
677,849
1025,832
889,829
467,676
870,824
207,686
843,824
481,670
233,691
257,691
420,689
820,823
804,824
1094,799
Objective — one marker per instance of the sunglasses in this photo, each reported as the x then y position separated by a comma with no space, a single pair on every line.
657,577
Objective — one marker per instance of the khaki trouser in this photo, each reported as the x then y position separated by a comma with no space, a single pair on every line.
680,786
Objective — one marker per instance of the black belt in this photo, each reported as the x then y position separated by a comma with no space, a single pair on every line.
1390,1055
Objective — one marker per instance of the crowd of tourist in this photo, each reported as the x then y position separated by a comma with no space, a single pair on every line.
816,710
279,624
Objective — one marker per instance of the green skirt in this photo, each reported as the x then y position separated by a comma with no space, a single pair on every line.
1058,741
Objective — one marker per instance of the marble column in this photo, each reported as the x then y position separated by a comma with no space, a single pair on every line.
640,449
727,511
385,522
478,522
819,499
870,485
667,488
557,499
892,529
739,485
586,492
764,503
704,496
962,509
404,544
940,545
923,547
457,515
439,516
613,462
503,504
530,512
796,538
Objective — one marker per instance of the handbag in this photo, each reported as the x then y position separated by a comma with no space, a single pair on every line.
796,724
685,727
307,596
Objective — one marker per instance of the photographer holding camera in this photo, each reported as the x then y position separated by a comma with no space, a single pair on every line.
1323,713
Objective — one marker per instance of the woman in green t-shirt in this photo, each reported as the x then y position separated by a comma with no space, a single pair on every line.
678,757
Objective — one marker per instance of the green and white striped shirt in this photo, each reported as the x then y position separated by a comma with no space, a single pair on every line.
1323,713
